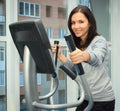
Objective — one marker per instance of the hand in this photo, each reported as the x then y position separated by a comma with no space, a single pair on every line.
54,49
79,56
61,57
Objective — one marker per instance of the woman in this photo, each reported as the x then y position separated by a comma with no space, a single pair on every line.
92,51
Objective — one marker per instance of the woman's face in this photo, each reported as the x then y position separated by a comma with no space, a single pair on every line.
80,25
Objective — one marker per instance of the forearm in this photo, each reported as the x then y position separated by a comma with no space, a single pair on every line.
86,56
62,58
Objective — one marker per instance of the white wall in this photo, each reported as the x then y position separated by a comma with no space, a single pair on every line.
12,64
115,57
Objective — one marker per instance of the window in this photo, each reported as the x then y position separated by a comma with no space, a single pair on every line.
84,2
32,9
2,104
2,18
48,11
48,77
62,98
38,79
64,50
61,75
29,9
2,54
21,8
2,28
61,13
61,32
2,78
3,88
21,79
37,10
49,32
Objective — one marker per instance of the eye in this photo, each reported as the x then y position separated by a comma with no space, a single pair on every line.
72,22
81,21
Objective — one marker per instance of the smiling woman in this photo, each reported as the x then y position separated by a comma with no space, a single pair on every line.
82,26
94,58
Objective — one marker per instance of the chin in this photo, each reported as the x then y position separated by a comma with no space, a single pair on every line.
78,35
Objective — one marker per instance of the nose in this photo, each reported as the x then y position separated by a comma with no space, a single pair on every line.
76,25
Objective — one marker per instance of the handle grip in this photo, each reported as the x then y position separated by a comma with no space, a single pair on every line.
71,46
56,43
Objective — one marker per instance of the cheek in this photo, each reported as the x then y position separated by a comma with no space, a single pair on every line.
86,27
72,27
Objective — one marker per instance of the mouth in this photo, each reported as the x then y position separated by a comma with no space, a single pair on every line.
78,32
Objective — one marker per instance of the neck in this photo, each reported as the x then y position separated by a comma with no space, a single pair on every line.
83,40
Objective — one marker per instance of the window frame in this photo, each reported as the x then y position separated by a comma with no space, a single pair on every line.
27,11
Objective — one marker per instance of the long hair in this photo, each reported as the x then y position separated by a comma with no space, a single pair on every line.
92,32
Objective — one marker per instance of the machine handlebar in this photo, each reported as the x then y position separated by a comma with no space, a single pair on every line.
71,46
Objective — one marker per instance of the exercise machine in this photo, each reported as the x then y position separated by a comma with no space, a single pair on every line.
34,48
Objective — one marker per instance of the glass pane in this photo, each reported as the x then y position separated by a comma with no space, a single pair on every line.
84,2
26,9
61,12
2,18
21,9
37,10
48,11
3,98
32,9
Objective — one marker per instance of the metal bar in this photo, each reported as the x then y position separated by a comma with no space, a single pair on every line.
63,106
30,80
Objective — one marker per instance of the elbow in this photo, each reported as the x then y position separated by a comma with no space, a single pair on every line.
96,61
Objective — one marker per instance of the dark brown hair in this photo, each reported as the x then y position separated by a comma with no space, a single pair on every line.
92,32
